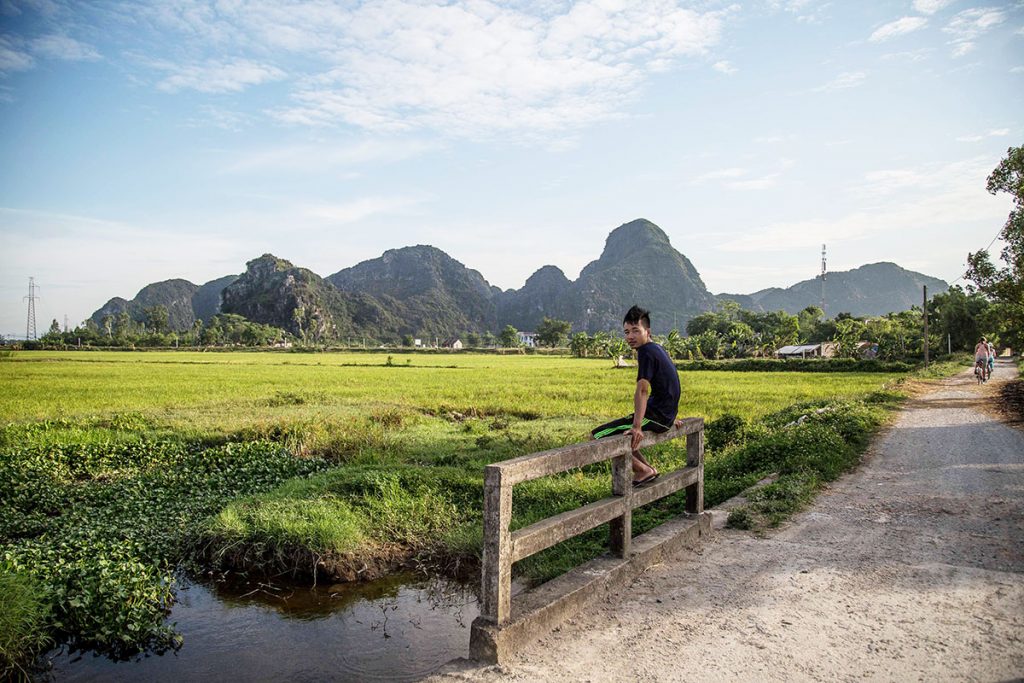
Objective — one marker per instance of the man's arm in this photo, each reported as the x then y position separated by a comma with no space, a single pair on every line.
643,390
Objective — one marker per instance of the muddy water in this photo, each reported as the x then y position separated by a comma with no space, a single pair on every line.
399,628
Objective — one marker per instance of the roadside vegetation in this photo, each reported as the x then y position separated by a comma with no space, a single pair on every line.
120,473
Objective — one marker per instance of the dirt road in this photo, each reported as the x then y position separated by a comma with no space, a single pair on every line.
910,568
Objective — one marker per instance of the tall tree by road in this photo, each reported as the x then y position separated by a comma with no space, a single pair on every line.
1005,285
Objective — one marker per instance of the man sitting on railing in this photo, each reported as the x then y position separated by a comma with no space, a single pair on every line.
656,400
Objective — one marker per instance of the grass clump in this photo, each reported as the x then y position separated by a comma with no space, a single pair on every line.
341,517
24,613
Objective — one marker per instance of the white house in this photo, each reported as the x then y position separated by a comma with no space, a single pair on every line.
527,338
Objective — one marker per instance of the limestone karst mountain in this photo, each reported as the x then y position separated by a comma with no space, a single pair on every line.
422,291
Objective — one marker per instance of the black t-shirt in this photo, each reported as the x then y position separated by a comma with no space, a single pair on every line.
655,366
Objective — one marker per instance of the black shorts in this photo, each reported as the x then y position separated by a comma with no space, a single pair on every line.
654,423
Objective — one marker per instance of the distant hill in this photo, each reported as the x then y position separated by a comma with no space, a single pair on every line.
424,288
185,302
638,266
206,300
422,291
543,295
873,289
174,295
274,292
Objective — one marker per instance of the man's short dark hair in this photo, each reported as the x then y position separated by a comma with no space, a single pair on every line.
637,315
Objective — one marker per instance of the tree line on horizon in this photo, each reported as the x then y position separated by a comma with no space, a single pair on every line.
958,318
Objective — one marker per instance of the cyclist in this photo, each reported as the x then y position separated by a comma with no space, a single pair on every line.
991,358
981,357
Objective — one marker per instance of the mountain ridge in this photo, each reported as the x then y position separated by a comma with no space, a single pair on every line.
422,291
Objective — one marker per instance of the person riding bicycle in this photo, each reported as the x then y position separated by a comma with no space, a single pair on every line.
981,356
991,358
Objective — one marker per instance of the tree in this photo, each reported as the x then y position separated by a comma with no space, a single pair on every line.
849,334
674,344
509,337
708,345
1005,285
808,320
473,340
407,340
156,318
54,329
553,332
964,317
579,344
108,325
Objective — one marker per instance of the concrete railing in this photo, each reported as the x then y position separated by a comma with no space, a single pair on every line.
503,547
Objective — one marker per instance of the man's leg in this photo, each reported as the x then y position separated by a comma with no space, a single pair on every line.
641,468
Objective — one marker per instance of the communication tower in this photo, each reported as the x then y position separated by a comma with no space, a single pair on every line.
30,326
824,270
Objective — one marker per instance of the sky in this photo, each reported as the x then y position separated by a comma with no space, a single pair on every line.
144,141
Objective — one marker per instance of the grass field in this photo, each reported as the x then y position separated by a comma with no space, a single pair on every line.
119,469
229,393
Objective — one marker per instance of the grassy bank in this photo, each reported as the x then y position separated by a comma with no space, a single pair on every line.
119,469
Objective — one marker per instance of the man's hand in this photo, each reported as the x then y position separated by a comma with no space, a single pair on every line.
636,435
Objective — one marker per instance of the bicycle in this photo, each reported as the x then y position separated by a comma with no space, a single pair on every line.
981,371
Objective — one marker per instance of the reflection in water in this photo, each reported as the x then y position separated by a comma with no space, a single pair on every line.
399,628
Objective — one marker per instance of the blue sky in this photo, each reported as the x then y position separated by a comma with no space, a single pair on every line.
142,141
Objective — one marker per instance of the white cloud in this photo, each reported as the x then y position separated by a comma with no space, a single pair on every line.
968,26
895,202
218,117
736,178
805,11
360,209
763,183
843,81
57,46
898,28
725,67
1017,70
931,6
720,174
465,67
214,77
997,133
12,58
918,55
317,158
56,245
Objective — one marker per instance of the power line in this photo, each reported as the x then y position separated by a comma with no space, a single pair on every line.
985,249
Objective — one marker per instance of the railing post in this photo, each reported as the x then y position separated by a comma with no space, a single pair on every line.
695,458
621,527
497,565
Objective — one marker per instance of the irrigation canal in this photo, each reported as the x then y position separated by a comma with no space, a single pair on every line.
399,628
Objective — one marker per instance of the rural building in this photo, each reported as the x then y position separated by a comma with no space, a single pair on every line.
823,350
454,343
527,338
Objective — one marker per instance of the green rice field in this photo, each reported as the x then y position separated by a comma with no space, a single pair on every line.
120,471
228,392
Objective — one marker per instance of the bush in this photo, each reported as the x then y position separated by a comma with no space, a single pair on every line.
798,365
724,431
